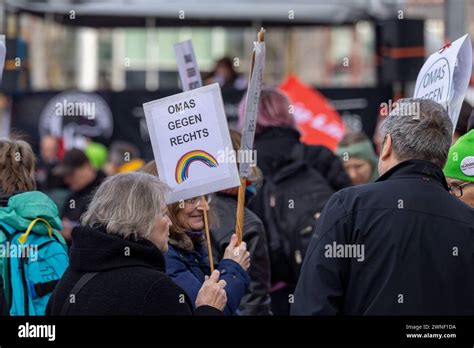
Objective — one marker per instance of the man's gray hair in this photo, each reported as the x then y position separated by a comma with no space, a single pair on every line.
420,129
127,204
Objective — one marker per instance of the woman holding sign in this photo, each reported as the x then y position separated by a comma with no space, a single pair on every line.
187,261
116,262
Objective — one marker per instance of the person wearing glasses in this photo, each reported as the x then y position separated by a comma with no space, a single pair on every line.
459,169
187,261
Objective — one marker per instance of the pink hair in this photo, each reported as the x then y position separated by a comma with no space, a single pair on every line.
273,110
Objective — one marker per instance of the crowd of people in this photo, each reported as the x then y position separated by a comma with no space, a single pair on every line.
359,231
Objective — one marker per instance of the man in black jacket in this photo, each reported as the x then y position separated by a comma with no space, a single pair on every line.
82,179
402,245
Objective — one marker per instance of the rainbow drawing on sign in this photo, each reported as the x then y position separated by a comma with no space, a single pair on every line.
182,167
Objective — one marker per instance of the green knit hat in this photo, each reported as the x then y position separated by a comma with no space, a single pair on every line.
97,154
363,150
460,163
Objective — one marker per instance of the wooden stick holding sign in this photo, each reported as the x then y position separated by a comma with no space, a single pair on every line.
248,130
205,208
190,79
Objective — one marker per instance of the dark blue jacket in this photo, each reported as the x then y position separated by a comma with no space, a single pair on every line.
188,268
400,246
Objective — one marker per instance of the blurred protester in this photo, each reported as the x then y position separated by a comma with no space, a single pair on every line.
225,74
358,157
123,157
117,264
187,261
52,185
276,136
463,121
459,169
82,179
298,181
20,207
380,247
15,177
46,180
257,300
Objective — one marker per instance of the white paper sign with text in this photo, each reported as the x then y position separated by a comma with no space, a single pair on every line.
189,133
445,76
188,68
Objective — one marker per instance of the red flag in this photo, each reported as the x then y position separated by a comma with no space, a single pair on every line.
316,119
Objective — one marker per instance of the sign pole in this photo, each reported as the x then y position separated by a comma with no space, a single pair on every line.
205,208
248,131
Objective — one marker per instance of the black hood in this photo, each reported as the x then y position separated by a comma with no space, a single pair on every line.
274,146
94,250
285,135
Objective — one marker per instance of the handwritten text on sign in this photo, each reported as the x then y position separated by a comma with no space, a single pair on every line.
445,76
434,84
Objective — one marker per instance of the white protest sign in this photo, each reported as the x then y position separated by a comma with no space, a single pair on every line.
187,65
251,106
189,135
3,52
445,76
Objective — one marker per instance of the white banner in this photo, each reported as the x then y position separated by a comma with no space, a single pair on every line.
251,107
445,76
190,138
187,65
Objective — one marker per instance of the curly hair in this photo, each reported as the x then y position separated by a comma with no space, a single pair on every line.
17,166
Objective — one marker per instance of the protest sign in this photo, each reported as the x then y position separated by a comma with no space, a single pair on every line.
251,103
190,77
189,132
445,76
250,122
187,65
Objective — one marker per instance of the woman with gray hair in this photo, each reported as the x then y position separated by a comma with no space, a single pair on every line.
117,265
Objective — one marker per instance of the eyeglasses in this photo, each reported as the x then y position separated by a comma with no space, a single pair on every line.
195,201
457,190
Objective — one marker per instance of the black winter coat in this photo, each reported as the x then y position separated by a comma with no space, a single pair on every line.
257,299
81,199
400,246
275,144
132,279
274,147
